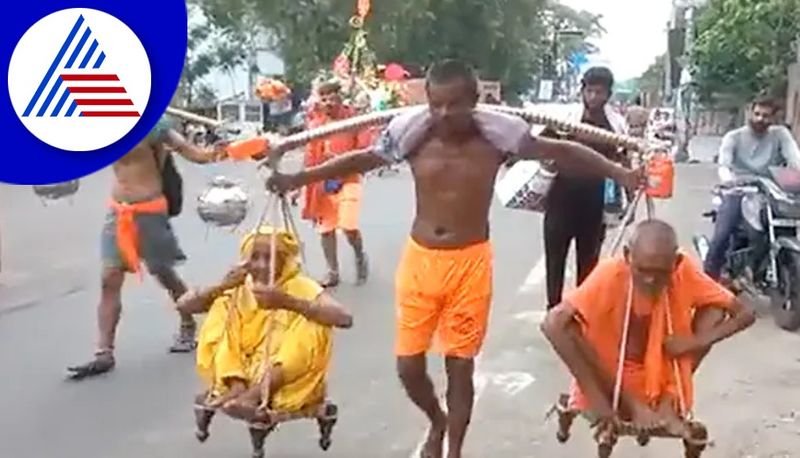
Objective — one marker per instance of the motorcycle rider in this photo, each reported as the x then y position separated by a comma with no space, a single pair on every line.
748,150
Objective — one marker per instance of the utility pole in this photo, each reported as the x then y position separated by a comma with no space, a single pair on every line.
556,74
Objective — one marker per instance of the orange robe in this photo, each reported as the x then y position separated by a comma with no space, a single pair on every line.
601,302
317,202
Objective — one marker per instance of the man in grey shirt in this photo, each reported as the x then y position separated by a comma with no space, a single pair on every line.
748,150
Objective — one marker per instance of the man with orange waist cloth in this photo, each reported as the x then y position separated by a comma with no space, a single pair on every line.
335,203
444,281
146,192
677,313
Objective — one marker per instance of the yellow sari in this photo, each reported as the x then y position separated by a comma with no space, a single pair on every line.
232,338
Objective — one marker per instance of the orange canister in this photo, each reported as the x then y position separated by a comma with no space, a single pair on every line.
246,149
660,176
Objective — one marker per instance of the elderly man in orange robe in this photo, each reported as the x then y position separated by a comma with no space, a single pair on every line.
335,204
666,289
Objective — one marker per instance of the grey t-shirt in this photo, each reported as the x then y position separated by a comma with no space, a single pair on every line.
746,153
404,133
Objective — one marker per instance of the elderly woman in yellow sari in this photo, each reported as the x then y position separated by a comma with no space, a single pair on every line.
294,318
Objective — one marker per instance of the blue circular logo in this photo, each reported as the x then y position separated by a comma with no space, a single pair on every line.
87,81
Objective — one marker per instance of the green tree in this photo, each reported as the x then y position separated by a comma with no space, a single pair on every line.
653,78
199,60
502,38
743,47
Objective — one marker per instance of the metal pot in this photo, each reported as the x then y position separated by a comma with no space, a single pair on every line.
224,203
525,186
57,190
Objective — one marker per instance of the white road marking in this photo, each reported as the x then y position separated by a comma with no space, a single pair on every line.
535,277
513,383
532,316
537,274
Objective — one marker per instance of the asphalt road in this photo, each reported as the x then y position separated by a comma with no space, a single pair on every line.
747,392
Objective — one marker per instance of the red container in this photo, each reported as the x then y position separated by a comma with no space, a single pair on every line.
660,176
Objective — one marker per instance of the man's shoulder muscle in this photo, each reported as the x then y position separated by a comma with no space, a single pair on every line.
141,152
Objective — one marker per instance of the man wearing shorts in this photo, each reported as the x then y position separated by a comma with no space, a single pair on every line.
444,281
335,204
137,229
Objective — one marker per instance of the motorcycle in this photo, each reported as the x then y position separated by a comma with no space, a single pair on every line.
764,255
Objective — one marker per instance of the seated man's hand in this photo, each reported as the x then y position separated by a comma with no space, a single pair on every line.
281,183
681,345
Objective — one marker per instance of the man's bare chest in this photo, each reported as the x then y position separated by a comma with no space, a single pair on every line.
466,161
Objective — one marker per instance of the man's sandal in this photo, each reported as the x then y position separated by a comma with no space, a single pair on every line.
103,362
185,339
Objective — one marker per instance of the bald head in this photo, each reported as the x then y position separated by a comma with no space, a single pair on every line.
652,252
653,237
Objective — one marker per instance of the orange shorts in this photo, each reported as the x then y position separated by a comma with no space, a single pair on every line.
444,290
342,210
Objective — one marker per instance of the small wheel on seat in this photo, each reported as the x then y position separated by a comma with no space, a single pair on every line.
325,443
604,450
699,435
643,440
257,437
692,451
565,419
326,423
201,436
606,438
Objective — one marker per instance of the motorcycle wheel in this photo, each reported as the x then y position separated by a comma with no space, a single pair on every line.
786,310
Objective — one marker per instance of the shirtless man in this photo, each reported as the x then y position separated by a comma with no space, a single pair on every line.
586,330
444,279
137,225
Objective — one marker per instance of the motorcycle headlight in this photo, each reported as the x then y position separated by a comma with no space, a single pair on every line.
752,206
716,201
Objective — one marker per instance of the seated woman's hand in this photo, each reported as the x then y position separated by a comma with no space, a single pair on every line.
235,277
271,298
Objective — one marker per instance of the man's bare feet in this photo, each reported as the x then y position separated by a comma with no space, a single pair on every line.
434,443
644,418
